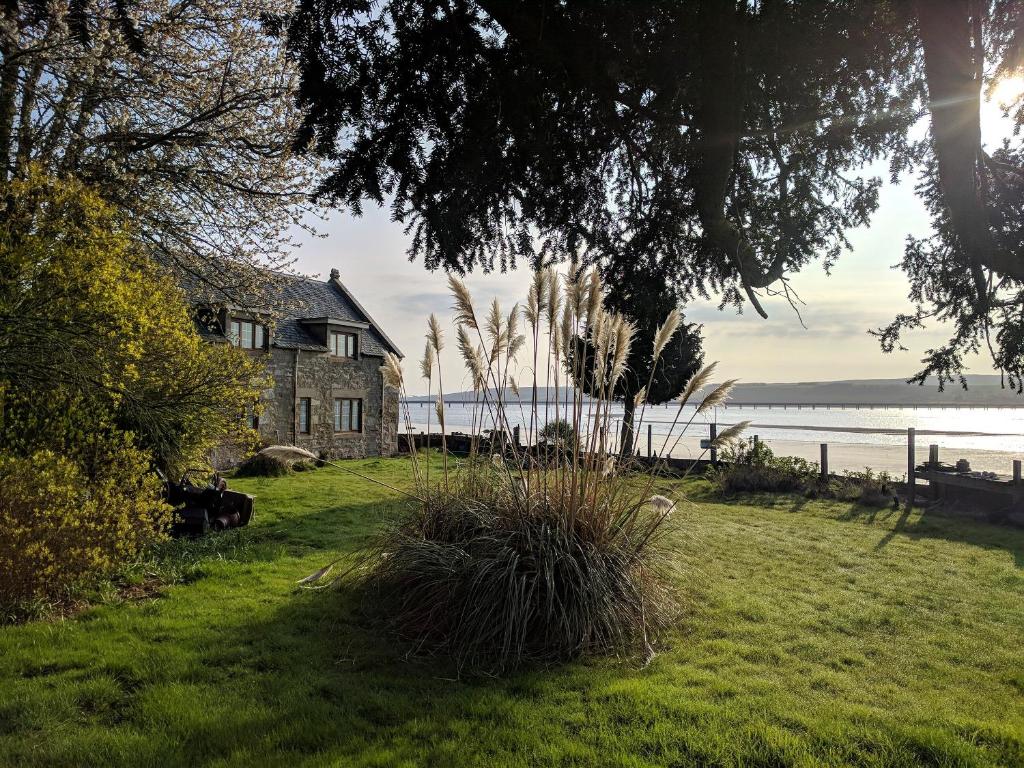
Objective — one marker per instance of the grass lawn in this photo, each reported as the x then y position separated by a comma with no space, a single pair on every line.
814,634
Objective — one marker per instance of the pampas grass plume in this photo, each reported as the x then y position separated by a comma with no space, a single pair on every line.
732,434
464,312
594,297
392,370
661,504
640,396
698,382
554,300
666,331
434,335
718,396
288,453
427,363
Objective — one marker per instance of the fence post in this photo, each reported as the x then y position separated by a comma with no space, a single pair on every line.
824,461
714,451
911,472
1016,471
933,456
515,436
755,441
650,438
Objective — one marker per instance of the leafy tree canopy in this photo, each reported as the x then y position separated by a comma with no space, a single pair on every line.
724,140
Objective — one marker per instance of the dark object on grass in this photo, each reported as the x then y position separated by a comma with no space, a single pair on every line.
263,465
199,509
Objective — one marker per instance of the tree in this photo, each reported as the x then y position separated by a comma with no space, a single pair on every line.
102,375
725,138
178,112
694,131
97,342
970,272
643,298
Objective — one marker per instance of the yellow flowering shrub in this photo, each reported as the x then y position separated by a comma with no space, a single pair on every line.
85,316
102,374
58,529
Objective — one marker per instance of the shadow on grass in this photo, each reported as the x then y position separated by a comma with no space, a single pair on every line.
930,522
936,523
321,677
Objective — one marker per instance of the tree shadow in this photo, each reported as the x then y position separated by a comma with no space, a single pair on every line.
321,679
311,674
936,522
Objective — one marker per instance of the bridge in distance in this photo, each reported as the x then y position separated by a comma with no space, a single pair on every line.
764,405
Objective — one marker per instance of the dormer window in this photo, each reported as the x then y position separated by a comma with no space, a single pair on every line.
247,334
344,344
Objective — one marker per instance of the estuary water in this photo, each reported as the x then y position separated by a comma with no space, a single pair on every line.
858,437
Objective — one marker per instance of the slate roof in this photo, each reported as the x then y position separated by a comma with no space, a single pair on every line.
291,299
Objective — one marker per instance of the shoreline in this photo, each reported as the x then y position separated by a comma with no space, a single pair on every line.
842,456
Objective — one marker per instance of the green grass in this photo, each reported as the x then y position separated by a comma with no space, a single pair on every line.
814,633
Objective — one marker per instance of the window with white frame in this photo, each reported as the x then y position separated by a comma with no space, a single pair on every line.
344,344
247,334
348,414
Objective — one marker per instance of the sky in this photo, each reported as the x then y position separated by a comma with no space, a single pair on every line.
864,291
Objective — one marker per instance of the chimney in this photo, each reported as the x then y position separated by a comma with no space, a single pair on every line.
335,274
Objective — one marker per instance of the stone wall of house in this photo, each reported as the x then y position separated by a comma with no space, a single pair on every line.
322,378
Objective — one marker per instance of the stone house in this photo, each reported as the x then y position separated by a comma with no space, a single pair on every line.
323,352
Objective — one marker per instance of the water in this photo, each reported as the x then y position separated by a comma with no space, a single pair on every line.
989,437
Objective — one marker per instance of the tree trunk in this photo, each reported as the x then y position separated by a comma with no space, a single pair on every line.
954,100
8,86
950,32
719,124
628,411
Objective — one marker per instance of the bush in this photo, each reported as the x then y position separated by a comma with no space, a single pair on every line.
559,432
746,467
474,577
262,465
307,466
60,529
867,487
110,331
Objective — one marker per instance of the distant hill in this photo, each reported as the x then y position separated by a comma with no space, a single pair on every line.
982,390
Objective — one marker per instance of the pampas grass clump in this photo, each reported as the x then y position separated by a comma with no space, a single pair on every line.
492,583
516,555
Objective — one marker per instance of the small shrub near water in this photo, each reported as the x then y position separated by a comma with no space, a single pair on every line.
523,555
559,432
747,467
873,489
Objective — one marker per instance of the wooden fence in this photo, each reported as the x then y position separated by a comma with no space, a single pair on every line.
942,481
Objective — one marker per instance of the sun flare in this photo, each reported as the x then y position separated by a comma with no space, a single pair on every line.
1008,90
